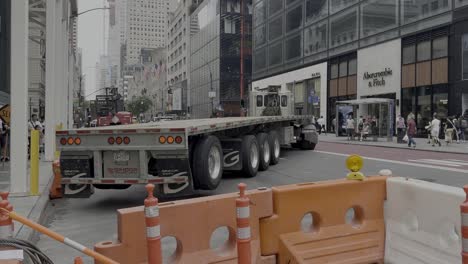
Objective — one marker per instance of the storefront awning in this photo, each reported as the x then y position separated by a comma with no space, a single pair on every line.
366,101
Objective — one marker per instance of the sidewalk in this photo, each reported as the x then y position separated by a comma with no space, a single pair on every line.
421,144
31,207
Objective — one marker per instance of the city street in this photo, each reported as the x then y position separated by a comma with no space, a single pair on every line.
92,220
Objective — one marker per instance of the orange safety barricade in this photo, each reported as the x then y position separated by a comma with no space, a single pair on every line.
329,238
191,222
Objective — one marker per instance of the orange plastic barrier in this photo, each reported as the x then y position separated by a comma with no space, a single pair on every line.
464,227
330,238
192,223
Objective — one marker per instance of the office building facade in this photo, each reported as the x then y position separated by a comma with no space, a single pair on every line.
415,52
215,51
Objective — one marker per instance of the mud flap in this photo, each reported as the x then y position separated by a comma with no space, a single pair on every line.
77,166
232,154
172,166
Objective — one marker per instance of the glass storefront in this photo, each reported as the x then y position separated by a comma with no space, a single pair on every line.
306,96
423,102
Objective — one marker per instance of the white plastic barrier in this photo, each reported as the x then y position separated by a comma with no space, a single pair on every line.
422,222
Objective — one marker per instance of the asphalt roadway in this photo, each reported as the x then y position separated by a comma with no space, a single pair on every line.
92,220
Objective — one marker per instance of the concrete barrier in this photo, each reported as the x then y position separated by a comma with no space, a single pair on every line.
330,236
422,222
191,222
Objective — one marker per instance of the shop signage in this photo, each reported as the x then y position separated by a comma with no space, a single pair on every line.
377,78
315,75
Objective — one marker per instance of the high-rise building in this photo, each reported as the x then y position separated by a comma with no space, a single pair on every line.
103,74
178,55
215,51
146,26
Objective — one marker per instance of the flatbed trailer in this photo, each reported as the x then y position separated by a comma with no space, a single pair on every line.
179,156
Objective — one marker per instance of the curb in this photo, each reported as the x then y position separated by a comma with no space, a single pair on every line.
369,145
37,214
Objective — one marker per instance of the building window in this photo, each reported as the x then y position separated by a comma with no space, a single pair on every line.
315,38
275,54
293,47
465,56
337,5
415,10
378,16
352,67
260,59
275,6
424,51
343,28
259,100
259,13
334,71
275,28
316,9
440,47
260,35
409,54
343,69
294,19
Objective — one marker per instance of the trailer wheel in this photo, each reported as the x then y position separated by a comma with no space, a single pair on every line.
275,147
208,163
264,151
250,156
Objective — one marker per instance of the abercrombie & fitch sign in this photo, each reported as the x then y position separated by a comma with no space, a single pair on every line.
377,78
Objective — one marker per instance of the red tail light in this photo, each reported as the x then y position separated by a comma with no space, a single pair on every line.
111,140
118,140
126,140
63,141
178,139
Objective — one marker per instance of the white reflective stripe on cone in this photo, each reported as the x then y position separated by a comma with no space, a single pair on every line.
243,212
152,211
153,231
464,218
243,232
74,244
6,231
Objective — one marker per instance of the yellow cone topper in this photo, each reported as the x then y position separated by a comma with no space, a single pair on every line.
354,163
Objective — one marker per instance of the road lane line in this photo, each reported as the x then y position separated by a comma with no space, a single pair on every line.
437,162
445,161
399,162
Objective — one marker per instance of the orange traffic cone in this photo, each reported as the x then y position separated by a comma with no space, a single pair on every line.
6,223
153,230
56,187
464,228
243,226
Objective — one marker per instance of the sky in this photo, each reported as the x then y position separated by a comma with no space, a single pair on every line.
90,39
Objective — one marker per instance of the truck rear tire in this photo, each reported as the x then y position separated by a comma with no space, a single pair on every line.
250,156
208,163
264,151
275,147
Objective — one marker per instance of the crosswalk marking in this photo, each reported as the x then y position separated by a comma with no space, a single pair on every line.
445,162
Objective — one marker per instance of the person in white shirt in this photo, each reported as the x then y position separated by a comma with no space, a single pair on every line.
350,127
321,122
435,129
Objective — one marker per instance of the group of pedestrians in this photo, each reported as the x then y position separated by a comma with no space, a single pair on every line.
450,128
365,127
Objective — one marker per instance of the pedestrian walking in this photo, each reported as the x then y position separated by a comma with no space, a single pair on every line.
400,129
463,125
435,130
411,132
321,122
449,130
333,125
456,123
350,127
